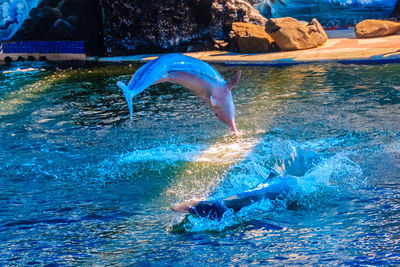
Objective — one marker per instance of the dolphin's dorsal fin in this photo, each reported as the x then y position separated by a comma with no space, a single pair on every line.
234,80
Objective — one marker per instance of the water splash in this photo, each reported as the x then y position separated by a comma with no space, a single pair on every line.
169,153
322,180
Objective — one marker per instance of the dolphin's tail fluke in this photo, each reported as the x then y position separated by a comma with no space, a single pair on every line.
129,94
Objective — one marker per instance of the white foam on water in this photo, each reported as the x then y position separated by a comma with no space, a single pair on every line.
227,153
219,153
168,153
393,147
336,171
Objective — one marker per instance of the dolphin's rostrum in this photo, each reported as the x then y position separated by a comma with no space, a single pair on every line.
192,73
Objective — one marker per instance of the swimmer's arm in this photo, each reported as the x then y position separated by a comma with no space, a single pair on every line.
279,186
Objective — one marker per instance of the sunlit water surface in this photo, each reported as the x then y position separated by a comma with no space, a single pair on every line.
79,185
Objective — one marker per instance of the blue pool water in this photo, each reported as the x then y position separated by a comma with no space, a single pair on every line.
78,185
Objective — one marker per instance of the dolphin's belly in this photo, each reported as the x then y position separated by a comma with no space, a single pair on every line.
198,85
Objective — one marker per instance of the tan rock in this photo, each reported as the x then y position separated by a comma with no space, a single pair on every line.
250,38
371,28
316,31
221,45
290,34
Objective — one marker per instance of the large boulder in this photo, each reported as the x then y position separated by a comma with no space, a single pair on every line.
249,38
37,24
45,16
144,26
50,3
63,30
371,28
65,20
290,34
396,11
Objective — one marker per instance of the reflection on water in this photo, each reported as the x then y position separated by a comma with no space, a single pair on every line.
78,185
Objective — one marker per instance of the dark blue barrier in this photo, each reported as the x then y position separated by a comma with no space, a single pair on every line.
44,47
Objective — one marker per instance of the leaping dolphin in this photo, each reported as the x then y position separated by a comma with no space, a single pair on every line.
192,73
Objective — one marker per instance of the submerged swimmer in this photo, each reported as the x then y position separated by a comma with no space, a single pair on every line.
192,73
216,209
292,170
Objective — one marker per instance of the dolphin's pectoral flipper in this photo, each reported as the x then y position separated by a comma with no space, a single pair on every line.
213,101
234,80
129,94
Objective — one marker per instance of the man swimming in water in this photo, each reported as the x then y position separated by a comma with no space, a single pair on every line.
293,169
215,209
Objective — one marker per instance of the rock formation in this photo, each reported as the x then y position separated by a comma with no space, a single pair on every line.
144,26
371,28
249,38
396,11
127,27
59,20
290,34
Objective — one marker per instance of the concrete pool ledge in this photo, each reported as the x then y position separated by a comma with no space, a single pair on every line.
345,49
